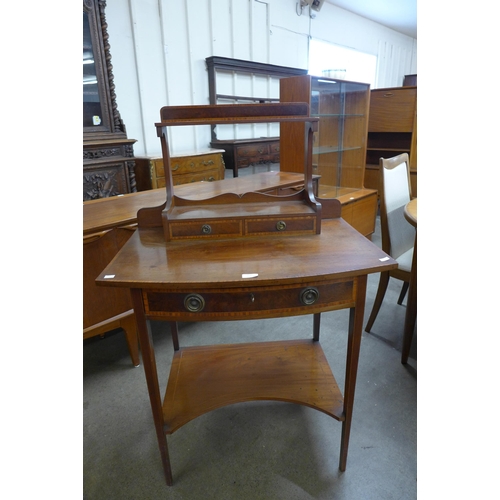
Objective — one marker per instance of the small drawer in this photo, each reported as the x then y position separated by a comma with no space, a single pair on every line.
205,229
182,166
304,224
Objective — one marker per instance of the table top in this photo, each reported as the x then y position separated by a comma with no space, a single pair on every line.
411,212
147,261
105,213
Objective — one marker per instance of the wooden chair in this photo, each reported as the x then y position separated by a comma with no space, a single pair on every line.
398,236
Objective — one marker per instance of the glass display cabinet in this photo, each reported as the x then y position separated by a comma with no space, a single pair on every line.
339,151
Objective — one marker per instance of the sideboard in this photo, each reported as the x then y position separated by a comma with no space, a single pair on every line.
241,153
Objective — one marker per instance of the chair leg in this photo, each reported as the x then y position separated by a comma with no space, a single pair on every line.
382,287
403,292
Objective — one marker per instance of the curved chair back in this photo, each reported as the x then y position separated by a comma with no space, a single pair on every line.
397,235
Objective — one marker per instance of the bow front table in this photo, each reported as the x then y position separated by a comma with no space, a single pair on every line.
247,278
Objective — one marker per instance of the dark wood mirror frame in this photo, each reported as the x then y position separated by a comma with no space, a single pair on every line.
108,155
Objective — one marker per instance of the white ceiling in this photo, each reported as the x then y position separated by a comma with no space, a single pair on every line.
400,15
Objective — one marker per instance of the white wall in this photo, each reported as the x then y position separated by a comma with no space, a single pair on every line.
158,50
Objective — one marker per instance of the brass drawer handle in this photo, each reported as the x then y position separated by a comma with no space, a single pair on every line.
281,225
206,229
194,302
309,296
175,167
389,94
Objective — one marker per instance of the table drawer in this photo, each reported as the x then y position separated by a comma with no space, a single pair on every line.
206,304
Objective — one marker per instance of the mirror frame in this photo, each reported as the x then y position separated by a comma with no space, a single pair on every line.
112,125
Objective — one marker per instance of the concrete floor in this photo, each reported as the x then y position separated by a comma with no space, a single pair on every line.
258,450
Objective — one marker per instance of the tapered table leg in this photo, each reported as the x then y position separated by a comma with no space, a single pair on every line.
149,362
353,346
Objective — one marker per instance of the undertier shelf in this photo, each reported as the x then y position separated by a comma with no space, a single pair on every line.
205,378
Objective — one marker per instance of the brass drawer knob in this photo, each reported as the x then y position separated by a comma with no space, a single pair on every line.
309,296
194,302
206,229
281,225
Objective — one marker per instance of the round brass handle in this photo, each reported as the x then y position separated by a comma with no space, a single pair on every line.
194,302
309,296
281,225
206,229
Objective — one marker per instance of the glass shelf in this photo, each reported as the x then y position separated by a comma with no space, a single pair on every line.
320,150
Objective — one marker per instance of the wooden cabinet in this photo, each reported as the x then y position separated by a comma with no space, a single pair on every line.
392,130
339,145
108,155
203,165
108,168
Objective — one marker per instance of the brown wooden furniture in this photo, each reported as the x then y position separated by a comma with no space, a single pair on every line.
248,266
398,236
108,155
410,213
244,152
339,145
392,129
109,222
307,275
195,166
